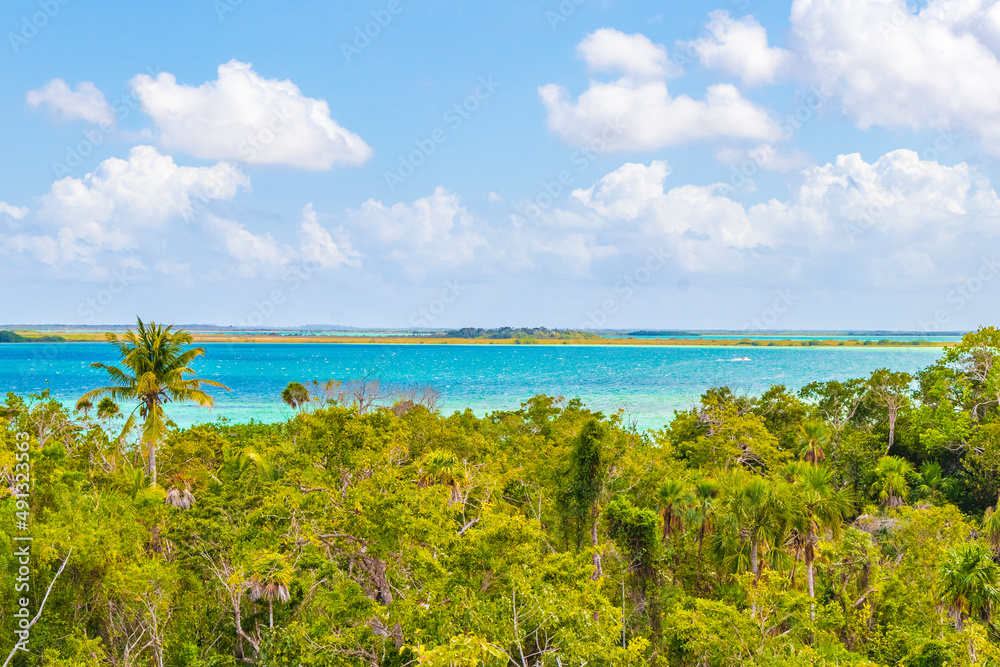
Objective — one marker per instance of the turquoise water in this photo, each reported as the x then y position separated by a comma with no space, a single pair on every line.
649,382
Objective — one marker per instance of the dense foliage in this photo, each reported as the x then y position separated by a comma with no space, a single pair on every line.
14,337
850,523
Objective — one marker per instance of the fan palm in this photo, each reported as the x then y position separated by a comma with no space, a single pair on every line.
672,497
441,467
893,483
701,513
757,513
270,580
821,507
969,582
812,437
295,395
154,363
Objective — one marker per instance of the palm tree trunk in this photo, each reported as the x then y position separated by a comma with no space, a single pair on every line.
152,464
795,566
598,569
270,611
959,623
810,577
701,543
755,559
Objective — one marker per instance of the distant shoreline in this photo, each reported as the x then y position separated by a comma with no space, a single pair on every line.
88,337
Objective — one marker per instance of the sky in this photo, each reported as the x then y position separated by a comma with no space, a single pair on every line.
819,164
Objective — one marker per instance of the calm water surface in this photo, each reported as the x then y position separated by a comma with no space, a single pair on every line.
649,382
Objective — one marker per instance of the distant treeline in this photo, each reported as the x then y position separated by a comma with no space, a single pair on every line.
11,337
504,333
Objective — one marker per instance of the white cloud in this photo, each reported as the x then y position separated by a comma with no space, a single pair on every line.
852,219
261,254
739,47
244,117
891,67
122,204
638,112
85,103
16,212
328,250
432,232
636,56
253,253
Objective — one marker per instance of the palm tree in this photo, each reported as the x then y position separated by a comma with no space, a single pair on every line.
812,437
969,582
701,512
672,496
441,467
270,580
991,528
757,512
180,498
85,407
893,483
821,507
295,395
154,363
108,410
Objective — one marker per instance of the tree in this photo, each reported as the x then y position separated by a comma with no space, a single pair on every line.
757,512
295,395
701,513
890,391
812,437
585,484
108,410
269,581
154,363
672,496
821,507
893,480
969,582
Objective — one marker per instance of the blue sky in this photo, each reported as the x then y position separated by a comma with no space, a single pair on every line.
814,164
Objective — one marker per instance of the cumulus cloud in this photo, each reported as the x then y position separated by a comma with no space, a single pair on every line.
608,50
16,212
85,103
262,255
244,117
891,67
849,213
431,232
739,47
121,204
637,110
329,250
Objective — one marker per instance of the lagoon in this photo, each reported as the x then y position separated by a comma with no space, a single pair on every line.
649,383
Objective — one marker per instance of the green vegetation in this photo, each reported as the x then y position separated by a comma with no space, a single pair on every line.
851,523
13,337
526,335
